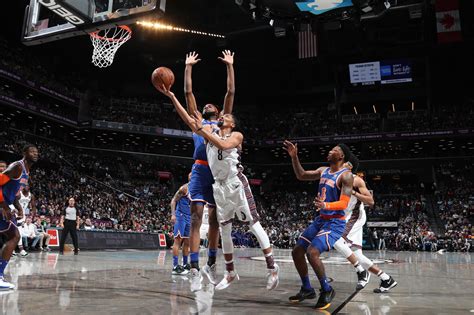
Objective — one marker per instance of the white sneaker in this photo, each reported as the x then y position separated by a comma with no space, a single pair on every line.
196,279
23,253
211,273
272,277
4,285
228,278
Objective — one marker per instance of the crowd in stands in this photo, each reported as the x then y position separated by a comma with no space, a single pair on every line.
455,201
111,199
295,122
259,124
13,60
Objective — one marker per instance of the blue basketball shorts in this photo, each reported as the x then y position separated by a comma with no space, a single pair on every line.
322,234
200,185
182,227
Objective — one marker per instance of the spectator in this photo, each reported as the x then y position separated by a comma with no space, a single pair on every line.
41,227
30,234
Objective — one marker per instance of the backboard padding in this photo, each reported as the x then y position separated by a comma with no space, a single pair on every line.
50,20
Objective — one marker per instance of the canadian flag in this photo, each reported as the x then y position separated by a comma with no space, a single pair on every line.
448,21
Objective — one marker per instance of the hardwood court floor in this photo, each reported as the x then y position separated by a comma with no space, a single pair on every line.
140,282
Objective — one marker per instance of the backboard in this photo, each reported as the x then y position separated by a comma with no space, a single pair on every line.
50,20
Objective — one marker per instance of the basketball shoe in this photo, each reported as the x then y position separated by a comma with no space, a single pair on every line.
211,273
4,285
325,299
363,278
272,277
303,295
196,279
386,285
228,278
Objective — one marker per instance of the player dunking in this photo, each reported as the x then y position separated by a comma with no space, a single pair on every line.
334,193
352,237
11,180
181,218
200,185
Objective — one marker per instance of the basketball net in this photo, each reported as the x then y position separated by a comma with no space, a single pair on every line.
107,42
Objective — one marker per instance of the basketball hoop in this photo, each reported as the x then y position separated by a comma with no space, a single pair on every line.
106,42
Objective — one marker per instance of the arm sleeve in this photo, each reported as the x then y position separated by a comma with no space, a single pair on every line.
4,179
338,205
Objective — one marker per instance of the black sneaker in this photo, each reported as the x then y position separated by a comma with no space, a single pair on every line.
187,267
325,299
386,285
303,295
362,279
184,271
177,270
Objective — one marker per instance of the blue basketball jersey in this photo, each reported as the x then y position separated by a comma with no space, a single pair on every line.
200,143
328,190
11,189
184,205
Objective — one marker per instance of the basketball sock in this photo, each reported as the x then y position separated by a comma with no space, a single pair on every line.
175,261
229,265
185,260
358,267
270,261
382,275
306,283
212,256
195,260
3,265
325,284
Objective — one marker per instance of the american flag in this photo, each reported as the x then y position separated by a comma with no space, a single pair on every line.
307,42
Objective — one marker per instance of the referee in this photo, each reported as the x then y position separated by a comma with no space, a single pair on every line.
70,224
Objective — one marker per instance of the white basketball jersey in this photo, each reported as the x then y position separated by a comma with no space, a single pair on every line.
224,164
353,203
25,202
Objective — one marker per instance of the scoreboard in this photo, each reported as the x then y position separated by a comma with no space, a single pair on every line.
383,72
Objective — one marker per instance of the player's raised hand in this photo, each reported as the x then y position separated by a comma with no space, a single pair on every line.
290,148
228,57
192,58
166,91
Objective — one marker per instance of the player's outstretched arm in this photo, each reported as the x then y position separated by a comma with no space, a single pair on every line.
364,194
300,172
235,140
228,59
179,108
191,60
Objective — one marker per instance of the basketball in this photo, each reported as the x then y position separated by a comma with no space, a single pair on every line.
162,76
